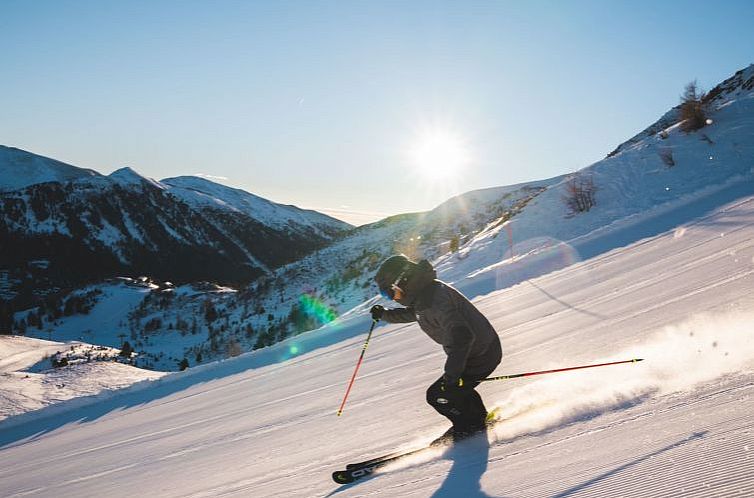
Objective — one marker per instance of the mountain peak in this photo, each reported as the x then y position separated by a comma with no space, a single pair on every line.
204,193
20,169
128,176
741,82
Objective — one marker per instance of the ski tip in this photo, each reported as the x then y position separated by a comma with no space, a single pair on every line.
342,477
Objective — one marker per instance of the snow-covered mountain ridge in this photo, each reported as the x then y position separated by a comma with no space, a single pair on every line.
740,83
203,193
64,226
19,169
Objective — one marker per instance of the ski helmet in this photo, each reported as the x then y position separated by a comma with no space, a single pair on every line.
399,272
390,274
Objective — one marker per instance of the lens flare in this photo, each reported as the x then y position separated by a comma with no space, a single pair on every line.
313,306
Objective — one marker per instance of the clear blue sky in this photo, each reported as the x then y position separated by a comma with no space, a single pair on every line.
320,104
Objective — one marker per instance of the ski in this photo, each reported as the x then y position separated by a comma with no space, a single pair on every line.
366,468
355,471
359,470
373,460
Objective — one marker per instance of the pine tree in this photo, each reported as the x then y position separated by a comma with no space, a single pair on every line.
127,350
693,108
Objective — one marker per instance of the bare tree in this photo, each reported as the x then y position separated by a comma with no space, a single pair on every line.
693,110
454,243
666,154
579,196
233,348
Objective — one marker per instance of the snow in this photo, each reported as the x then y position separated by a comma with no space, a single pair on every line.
30,383
661,269
127,177
108,323
202,193
19,169
631,185
264,424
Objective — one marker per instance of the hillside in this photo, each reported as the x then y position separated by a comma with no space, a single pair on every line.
264,424
202,322
29,381
514,233
19,169
65,226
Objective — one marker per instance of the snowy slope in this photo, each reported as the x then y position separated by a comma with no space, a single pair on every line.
261,425
165,326
118,313
202,193
19,169
29,382
632,183
127,177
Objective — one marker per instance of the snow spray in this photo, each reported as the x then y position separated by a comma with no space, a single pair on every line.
678,358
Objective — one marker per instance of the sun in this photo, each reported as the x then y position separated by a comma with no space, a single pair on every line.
439,154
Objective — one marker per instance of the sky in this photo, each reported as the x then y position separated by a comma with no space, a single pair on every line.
357,109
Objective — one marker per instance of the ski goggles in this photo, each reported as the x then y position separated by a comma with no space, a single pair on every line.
389,292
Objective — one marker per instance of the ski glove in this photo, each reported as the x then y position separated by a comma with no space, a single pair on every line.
377,311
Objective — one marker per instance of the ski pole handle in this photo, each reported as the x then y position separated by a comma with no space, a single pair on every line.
529,374
358,364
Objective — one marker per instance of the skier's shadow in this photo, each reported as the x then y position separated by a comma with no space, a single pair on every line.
465,475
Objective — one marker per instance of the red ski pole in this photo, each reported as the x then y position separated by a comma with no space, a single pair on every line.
529,374
358,364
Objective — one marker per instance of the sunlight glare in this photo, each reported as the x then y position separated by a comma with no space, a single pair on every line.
439,154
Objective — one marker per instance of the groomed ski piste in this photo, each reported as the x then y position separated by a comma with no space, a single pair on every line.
264,424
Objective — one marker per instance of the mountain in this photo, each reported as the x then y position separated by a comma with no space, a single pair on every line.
653,175
658,267
481,241
77,226
264,424
203,322
204,194
19,169
506,235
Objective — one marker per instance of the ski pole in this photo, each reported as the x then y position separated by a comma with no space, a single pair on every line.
529,374
358,364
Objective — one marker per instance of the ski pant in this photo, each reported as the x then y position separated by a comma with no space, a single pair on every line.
463,406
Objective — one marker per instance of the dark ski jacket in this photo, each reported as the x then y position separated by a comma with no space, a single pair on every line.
451,320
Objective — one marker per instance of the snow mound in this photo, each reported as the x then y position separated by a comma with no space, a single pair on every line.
30,383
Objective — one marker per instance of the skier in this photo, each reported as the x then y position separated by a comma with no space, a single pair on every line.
470,342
